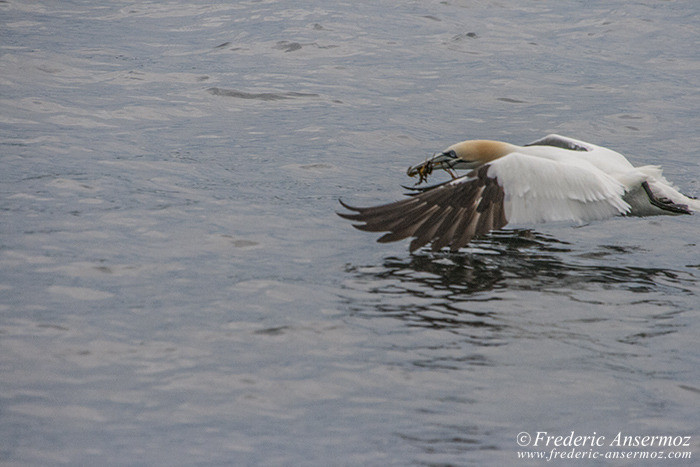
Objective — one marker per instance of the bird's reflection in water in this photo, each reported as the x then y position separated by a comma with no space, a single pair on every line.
445,290
517,299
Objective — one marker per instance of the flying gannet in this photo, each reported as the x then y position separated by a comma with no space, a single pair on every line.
552,179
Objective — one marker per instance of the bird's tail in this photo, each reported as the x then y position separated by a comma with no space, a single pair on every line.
665,189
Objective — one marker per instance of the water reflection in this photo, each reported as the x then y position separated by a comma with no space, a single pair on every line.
447,290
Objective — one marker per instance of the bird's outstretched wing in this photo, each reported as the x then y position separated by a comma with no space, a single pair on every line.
514,189
449,214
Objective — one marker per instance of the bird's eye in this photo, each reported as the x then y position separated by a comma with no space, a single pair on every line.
451,153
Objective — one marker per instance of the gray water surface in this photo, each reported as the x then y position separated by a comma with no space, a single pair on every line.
176,289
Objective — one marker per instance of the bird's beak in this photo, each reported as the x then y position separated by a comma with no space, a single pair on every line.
445,160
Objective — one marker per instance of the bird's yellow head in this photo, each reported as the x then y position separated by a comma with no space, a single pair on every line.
468,154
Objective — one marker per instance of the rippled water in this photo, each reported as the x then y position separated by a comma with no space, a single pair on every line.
175,287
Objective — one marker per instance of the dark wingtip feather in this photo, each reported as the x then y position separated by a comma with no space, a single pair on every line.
350,217
347,206
449,214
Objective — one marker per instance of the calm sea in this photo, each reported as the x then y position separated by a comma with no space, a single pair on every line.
176,288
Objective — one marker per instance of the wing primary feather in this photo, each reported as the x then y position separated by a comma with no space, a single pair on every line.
488,197
408,227
499,213
433,196
416,190
465,229
446,232
426,233
378,210
378,223
485,222
447,214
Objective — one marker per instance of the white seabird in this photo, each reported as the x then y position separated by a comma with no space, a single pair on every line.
552,179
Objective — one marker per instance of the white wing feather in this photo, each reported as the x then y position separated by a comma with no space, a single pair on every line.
541,190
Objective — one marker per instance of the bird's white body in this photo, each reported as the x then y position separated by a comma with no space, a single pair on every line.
552,179
547,183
